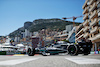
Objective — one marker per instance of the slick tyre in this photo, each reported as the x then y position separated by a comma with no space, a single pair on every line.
30,52
85,53
72,50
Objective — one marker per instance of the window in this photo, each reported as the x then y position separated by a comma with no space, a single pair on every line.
98,6
89,22
90,28
99,23
88,37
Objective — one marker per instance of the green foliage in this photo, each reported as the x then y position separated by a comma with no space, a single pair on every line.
52,24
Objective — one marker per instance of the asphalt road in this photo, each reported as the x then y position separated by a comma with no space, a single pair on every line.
50,61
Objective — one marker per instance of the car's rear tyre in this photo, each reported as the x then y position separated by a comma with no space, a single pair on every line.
85,53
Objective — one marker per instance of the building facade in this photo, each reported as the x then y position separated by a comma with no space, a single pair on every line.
79,33
63,35
60,36
69,28
71,35
90,28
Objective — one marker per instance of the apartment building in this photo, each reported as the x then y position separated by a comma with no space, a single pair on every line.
60,36
90,28
79,33
64,34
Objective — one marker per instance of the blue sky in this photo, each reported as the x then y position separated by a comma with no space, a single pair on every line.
13,13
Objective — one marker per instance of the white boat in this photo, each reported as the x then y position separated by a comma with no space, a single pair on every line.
6,48
21,48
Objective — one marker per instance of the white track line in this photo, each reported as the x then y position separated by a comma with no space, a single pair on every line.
80,60
16,61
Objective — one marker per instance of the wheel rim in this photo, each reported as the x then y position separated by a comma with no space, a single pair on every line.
72,50
29,51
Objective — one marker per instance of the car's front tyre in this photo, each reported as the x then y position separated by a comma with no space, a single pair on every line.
31,52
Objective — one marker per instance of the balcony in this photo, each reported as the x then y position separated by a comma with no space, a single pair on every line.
94,22
85,10
91,2
79,31
79,37
94,29
85,23
79,28
94,14
86,28
93,7
95,37
85,4
86,35
85,16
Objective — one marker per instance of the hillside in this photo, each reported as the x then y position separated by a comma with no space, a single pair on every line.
49,23
52,26
39,24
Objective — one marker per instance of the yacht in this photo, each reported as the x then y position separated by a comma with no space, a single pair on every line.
6,48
